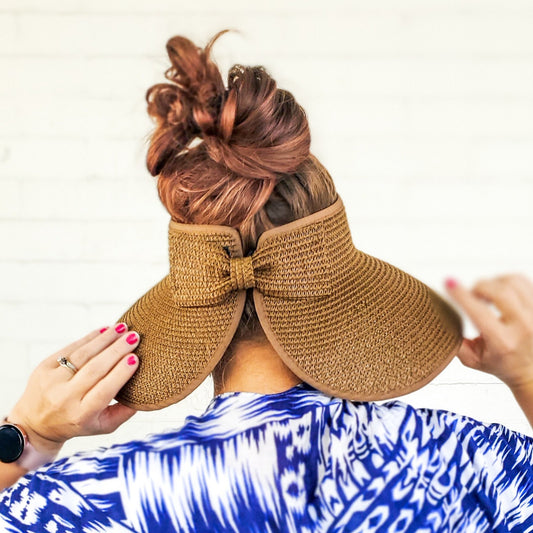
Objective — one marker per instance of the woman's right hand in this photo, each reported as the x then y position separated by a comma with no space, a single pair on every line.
504,347
59,404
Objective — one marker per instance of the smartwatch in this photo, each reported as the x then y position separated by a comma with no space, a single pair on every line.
12,441
16,448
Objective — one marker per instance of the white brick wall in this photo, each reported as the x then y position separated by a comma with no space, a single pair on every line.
422,111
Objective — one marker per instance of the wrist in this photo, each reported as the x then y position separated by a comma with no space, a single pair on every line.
523,389
22,447
525,383
39,442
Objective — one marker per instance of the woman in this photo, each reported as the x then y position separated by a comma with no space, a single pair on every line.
292,440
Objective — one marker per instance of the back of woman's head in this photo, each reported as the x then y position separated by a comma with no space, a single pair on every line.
251,167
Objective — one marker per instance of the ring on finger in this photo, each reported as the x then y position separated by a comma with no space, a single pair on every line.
67,363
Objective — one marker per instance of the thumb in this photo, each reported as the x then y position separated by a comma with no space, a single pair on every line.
471,351
114,416
479,312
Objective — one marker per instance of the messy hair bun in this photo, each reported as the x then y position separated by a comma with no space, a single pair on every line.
250,169
253,133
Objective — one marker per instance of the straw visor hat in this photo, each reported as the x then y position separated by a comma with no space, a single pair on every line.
343,321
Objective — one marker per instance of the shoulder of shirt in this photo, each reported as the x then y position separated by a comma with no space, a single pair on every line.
463,426
391,416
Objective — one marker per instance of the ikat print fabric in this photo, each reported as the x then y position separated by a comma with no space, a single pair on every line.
297,461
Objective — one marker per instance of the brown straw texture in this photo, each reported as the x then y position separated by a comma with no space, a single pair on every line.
345,322
380,334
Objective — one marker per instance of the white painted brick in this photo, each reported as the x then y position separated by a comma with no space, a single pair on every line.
354,160
74,118
37,240
13,359
38,351
433,242
94,200
72,159
513,157
10,392
53,77
8,123
373,200
39,321
135,242
126,33
294,7
408,77
64,282
427,160
496,118
457,373
101,315
7,31
72,34
425,117
10,201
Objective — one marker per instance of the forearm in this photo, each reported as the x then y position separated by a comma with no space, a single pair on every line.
524,397
30,453
10,473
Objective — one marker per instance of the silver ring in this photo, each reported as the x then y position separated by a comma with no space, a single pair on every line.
64,361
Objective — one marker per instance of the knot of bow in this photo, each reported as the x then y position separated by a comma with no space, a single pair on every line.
241,273
205,268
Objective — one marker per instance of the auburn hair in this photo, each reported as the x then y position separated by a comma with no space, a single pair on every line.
236,156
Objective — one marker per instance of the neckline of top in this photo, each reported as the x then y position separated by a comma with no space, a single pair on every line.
250,394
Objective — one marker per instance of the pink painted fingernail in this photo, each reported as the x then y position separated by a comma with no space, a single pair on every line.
451,283
104,329
132,338
120,328
132,360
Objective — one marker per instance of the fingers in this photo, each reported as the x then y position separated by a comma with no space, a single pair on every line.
101,394
484,318
51,361
522,286
503,294
101,364
84,353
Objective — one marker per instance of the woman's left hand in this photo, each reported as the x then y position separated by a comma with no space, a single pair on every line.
59,404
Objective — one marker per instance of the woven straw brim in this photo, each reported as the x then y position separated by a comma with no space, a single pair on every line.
345,322
380,333
179,346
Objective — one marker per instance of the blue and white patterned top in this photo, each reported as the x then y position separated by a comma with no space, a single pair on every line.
296,461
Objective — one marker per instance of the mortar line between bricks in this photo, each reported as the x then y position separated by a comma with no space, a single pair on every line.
387,56
72,303
88,221
398,13
422,136
85,262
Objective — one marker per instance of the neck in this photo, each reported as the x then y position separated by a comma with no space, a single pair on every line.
255,367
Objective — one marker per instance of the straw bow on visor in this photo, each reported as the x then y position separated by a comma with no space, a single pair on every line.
343,321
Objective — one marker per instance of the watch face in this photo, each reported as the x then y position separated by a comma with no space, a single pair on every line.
11,443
